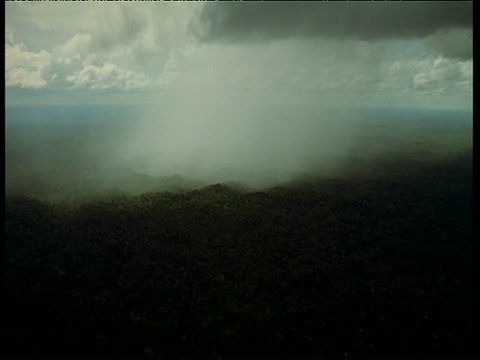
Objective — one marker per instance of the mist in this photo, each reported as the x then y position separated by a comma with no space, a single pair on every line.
153,98
233,141
76,152
218,179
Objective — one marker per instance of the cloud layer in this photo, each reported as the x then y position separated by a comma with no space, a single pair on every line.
264,21
362,20
355,52
122,46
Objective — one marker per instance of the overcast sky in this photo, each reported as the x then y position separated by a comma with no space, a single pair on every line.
359,53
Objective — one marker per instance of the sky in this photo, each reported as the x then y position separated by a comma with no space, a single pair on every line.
405,54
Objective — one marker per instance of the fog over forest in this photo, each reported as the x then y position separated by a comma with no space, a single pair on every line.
239,179
73,152
137,97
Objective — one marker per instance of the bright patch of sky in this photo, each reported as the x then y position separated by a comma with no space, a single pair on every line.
414,55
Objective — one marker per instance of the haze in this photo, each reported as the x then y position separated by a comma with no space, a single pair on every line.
135,97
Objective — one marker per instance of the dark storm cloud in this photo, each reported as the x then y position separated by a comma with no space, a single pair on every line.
262,21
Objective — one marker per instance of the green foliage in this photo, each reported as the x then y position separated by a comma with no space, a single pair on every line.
374,265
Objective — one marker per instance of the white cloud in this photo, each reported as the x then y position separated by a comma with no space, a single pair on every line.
106,77
117,27
69,64
9,36
24,78
24,68
75,46
319,71
87,37
133,46
444,76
